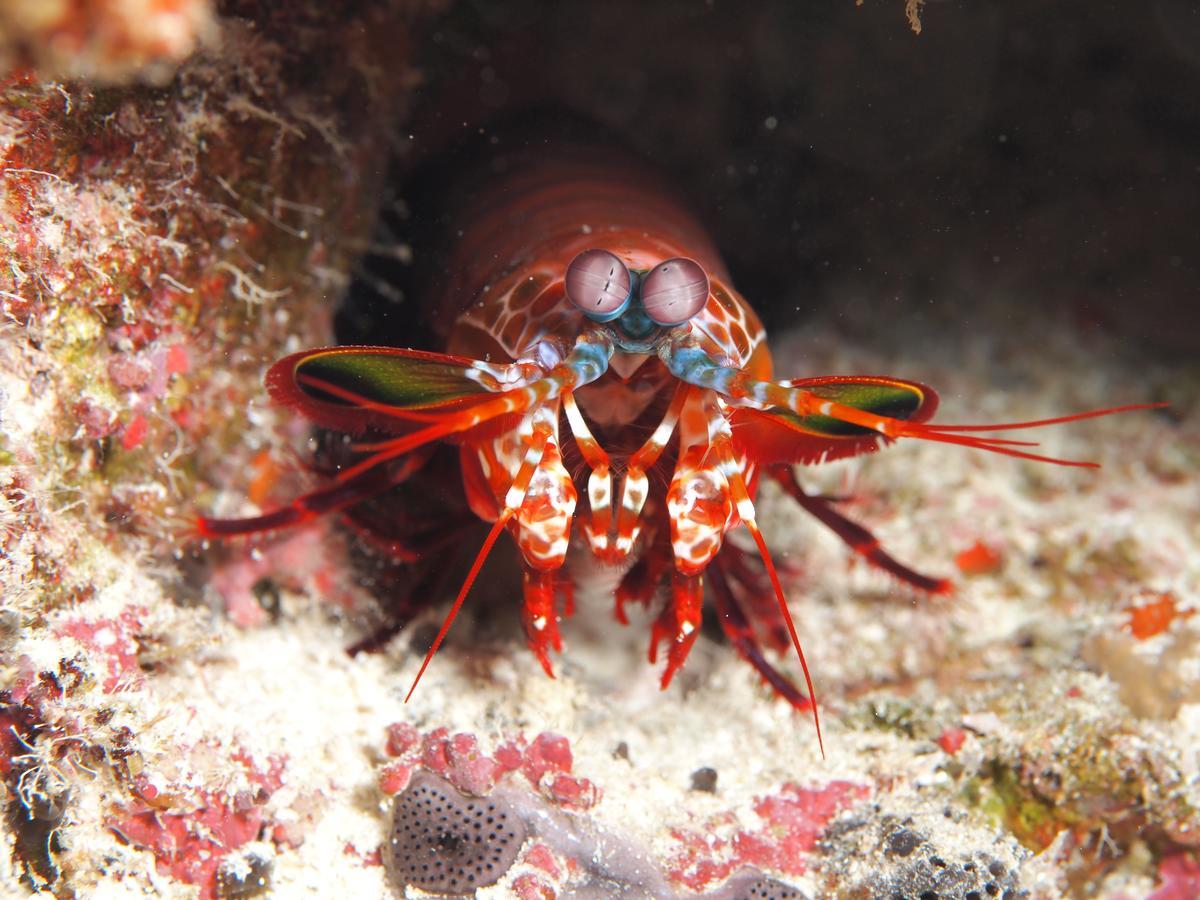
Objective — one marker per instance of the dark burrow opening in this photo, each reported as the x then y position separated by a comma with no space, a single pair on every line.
1046,153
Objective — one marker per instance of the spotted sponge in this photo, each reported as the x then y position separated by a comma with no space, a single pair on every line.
447,843
753,885
763,888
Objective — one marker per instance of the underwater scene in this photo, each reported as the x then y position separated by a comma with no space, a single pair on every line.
600,449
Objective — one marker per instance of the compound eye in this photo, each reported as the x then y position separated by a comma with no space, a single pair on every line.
598,285
674,291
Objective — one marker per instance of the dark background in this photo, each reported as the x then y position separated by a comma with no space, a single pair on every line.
1048,154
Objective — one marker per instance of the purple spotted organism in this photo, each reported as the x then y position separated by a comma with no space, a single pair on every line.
447,843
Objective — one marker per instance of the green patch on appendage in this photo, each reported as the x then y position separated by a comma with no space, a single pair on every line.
895,402
386,378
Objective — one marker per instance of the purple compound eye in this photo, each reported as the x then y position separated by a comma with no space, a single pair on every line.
674,291
598,285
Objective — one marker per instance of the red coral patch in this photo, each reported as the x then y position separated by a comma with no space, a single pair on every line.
979,559
792,821
952,739
1155,617
189,846
112,639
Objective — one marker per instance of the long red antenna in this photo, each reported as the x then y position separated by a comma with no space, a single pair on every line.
1057,420
791,626
992,445
955,434
462,595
